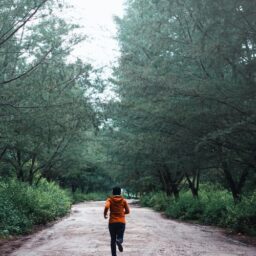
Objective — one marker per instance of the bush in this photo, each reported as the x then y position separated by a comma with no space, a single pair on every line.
186,208
50,201
78,197
214,206
217,205
22,205
159,201
12,221
242,216
145,200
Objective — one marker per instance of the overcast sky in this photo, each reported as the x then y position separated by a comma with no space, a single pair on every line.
96,17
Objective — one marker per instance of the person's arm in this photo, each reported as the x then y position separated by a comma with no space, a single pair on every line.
126,207
107,206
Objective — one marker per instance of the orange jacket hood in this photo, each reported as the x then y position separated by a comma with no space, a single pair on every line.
116,199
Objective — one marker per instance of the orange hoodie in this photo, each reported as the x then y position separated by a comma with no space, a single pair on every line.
118,208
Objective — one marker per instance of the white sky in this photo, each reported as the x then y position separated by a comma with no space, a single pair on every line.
96,17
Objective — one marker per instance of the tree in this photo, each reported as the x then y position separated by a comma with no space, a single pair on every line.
186,92
44,110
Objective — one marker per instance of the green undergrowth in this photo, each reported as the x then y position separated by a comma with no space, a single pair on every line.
78,197
23,206
212,207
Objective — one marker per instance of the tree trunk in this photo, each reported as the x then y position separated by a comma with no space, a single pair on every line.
176,191
31,173
164,183
194,184
231,182
19,170
38,180
2,153
73,188
172,183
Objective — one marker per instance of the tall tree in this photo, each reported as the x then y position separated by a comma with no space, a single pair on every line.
187,91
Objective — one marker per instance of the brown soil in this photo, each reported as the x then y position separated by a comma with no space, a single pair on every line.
85,233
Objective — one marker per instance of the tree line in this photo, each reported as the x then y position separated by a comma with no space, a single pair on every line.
185,107
47,117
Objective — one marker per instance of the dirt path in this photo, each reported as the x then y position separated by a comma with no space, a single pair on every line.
84,233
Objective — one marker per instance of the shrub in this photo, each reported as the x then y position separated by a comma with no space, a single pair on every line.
145,200
12,221
22,205
214,206
242,216
186,208
78,197
50,201
159,201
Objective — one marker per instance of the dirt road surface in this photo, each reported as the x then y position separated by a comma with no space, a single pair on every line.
85,233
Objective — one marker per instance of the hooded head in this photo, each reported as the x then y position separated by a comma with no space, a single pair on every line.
116,191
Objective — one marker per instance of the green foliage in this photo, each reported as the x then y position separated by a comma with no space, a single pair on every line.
217,206
159,201
242,216
186,208
213,207
78,197
12,221
46,114
186,95
145,200
23,206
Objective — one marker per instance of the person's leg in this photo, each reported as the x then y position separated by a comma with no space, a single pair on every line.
120,232
120,236
113,234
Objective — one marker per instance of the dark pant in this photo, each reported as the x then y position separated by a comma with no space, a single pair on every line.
116,231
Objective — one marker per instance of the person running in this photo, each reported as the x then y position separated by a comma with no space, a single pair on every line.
118,207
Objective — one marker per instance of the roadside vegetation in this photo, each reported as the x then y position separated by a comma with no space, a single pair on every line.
23,206
78,197
214,206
